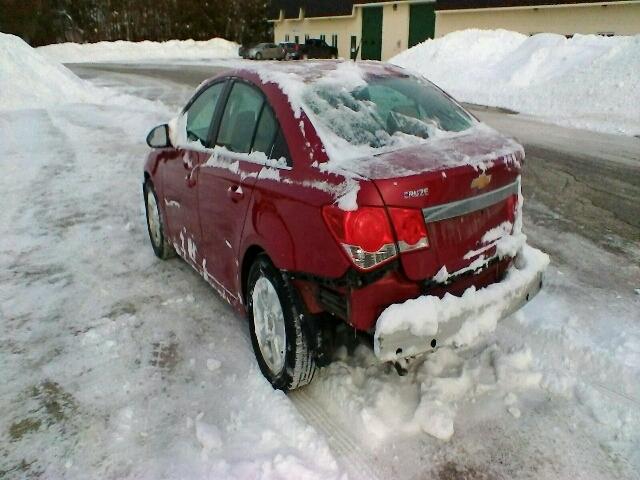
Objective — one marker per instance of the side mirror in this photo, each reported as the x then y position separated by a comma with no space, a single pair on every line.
159,137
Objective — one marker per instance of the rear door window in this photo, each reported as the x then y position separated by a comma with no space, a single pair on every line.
266,131
200,113
249,124
240,118
280,148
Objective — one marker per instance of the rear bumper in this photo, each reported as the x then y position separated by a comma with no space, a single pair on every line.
428,322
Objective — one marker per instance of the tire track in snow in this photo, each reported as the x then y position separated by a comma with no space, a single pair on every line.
355,459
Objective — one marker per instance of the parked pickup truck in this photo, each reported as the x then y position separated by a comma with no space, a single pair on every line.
317,48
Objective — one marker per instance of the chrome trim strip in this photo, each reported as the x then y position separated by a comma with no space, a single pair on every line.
468,205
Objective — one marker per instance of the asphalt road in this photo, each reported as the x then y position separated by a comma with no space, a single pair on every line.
576,182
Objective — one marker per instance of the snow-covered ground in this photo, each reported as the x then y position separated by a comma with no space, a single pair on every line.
587,81
122,51
114,364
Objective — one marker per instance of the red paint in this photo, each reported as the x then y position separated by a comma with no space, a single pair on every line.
227,214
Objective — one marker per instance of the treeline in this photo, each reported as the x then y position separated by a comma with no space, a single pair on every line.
40,22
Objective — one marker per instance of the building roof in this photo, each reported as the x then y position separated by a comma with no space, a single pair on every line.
313,8
469,4
336,8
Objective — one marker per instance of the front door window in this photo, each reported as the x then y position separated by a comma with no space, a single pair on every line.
200,114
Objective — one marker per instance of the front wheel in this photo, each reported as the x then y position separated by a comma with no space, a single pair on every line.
155,224
258,56
280,330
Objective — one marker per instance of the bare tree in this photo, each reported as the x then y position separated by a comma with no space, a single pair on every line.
41,22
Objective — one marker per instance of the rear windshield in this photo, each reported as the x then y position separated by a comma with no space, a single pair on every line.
385,110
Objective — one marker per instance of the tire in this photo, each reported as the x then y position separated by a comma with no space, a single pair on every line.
258,56
287,363
155,224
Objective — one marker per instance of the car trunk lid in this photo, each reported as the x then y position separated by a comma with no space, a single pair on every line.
466,186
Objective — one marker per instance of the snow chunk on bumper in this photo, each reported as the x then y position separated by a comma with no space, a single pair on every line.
410,328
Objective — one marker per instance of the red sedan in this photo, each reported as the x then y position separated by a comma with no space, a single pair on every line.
333,190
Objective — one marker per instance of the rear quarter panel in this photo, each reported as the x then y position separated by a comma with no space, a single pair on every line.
285,217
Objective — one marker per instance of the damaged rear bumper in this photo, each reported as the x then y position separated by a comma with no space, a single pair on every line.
423,324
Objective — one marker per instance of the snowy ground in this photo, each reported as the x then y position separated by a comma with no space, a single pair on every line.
117,365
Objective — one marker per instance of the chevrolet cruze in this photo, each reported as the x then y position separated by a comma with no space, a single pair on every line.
330,191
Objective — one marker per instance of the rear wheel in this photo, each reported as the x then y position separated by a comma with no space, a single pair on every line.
280,330
155,224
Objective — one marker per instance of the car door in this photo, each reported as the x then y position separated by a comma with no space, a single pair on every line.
179,172
274,51
226,185
268,51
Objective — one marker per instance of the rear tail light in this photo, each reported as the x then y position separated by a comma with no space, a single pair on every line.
411,231
365,234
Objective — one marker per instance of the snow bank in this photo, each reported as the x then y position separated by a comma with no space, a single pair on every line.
587,81
122,51
30,80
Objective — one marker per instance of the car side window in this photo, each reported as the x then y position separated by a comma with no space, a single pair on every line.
266,131
280,148
239,118
200,113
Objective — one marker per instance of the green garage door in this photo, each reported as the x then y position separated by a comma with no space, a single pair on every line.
422,22
371,33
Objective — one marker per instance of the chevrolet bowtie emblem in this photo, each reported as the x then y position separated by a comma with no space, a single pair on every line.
481,182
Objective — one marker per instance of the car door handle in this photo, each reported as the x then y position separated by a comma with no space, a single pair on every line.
191,176
187,161
235,193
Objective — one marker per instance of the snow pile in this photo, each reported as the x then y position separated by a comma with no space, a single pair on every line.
30,80
429,398
123,51
587,81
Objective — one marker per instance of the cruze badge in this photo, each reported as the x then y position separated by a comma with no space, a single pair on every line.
421,192
481,182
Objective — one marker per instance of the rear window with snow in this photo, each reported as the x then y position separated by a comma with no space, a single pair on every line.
384,110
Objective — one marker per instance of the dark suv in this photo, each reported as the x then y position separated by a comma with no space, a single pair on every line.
317,48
